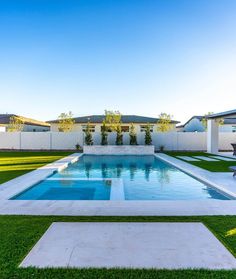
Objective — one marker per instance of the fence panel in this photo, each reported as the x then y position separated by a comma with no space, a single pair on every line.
58,140
66,140
10,140
35,141
192,141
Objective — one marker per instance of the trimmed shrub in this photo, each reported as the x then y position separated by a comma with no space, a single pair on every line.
132,136
148,136
119,136
104,134
88,136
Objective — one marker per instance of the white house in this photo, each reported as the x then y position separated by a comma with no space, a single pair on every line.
194,124
139,122
29,125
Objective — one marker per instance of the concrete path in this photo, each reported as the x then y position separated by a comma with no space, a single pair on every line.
227,154
204,158
129,245
224,159
187,158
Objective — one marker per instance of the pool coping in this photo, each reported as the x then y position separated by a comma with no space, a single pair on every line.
117,207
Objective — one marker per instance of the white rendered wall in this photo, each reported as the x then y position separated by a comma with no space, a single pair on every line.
35,128
225,140
119,150
30,128
226,128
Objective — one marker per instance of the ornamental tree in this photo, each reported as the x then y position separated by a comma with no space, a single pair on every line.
220,121
16,124
164,122
112,119
66,122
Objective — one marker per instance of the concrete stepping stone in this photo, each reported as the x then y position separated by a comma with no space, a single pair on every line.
129,245
224,158
205,158
187,158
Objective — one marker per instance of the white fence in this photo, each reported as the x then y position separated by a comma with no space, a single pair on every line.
40,140
57,140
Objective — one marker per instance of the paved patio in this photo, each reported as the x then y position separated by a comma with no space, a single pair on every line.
137,245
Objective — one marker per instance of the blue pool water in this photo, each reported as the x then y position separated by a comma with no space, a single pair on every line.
140,178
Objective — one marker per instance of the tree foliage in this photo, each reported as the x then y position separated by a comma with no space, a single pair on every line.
88,135
112,119
16,124
164,122
132,135
148,136
66,122
220,121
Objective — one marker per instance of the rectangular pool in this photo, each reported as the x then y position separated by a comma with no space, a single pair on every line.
120,178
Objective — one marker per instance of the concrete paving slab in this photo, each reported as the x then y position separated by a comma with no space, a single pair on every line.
204,158
227,154
224,159
129,245
187,158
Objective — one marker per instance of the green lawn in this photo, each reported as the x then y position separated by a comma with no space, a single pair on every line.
20,233
13,163
217,166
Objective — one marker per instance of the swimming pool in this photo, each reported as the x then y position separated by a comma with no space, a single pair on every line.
120,178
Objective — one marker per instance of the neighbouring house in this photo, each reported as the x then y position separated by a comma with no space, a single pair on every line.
140,123
195,124
28,124
2,128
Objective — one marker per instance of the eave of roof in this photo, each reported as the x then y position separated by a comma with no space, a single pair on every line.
229,113
5,119
199,117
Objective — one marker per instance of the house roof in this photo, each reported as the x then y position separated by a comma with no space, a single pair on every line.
227,114
124,119
5,119
199,117
227,121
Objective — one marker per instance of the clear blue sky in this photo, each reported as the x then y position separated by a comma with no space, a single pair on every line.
136,56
